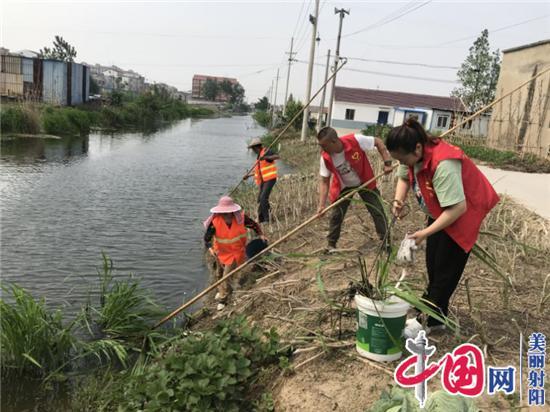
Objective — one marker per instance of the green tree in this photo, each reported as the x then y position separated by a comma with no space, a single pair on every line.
292,108
237,94
61,50
262,104
478,74
94,86
210,89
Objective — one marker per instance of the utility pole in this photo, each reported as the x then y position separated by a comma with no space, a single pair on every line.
275,99
342,13
322,105
313,20
290,60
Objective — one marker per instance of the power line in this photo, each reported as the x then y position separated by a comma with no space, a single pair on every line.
404,76
494,31
444,44
298,19
391,17
432,66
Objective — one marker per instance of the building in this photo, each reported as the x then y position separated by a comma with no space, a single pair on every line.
200,79
355,109
522,121
23,77
110,78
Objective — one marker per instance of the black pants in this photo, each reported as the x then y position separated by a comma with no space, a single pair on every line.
445,261
372,201
263,200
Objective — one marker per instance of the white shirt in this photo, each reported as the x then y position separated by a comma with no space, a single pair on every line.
347,174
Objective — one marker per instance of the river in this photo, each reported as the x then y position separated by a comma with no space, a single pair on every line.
140,198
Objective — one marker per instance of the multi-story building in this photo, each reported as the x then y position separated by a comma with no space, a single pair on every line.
200,79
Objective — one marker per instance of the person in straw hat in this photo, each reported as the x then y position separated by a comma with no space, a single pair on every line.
265,176
225,238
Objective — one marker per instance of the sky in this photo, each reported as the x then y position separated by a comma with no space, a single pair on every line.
171,40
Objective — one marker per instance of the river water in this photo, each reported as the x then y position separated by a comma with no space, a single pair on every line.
140,198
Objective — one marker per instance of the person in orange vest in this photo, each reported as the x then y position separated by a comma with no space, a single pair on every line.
265,177
225,238
455,196
344,166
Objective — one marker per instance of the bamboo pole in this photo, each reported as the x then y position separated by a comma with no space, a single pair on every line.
318,215
267,249
290,124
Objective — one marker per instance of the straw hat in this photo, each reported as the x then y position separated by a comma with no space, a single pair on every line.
255,142
225,205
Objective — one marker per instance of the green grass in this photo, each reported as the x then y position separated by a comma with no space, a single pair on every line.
39,341
140,112
507,159
32,336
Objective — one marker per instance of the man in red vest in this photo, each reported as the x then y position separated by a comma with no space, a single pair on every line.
265,177
455,196
344,165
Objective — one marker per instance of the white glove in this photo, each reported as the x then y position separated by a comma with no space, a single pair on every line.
406,250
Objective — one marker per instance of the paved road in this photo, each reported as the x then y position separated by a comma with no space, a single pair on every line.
530,189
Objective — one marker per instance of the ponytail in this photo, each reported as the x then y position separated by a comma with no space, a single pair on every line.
405,137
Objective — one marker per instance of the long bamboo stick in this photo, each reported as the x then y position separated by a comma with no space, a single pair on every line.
317,216
267,249
290,124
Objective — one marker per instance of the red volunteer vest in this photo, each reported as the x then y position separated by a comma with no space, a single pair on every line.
480,195
358,161
230,242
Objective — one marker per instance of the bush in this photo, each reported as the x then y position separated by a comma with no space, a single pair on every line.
377,130
292,108
56,122
19,119
207,371
32,337
263,118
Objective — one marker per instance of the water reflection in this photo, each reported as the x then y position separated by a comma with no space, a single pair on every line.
138,197
23,149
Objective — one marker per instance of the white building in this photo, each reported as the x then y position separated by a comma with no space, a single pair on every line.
355,109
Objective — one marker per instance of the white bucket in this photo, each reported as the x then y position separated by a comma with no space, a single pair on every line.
375,319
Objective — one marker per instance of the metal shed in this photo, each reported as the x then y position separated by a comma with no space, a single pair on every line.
54,82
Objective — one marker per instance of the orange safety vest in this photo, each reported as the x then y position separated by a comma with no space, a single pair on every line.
358,161
230,241
264,170
480,195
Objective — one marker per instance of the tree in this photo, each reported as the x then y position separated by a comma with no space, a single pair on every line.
292,108
61,50
94,86
237,94
210,89
478,74
262,104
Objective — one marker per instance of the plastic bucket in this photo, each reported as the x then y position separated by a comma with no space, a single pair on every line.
375,319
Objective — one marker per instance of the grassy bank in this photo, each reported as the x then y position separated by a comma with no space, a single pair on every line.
107,357
306,295
145,111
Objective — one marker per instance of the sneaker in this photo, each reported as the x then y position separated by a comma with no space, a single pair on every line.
412,328
220,306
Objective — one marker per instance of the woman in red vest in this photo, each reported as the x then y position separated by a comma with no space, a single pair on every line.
455,196
227,228
344,166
